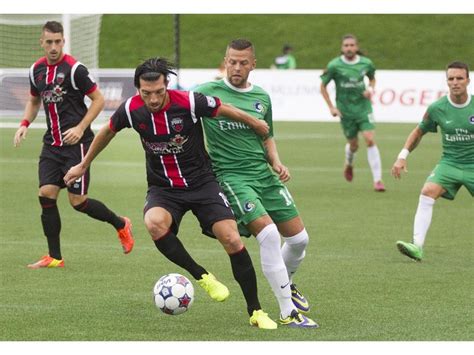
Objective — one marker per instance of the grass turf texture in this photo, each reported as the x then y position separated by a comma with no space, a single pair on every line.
359,285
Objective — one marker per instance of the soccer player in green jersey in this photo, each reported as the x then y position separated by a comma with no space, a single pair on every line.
353,105
242,162
454,115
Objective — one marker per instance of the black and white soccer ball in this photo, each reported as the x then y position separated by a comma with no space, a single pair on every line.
173,294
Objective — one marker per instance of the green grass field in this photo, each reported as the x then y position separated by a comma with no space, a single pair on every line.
360,287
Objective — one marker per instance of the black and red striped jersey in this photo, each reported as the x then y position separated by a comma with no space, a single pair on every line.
172,138
62,88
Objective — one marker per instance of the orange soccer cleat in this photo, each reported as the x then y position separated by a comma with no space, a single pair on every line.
126,236
47,261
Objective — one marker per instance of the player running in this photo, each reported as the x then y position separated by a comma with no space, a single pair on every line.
353,105
454,115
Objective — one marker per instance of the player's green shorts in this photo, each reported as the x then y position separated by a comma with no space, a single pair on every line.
253,199
352,125
451,177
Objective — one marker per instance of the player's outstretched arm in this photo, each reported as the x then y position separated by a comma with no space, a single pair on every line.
259,126
101,140
414,138
31,111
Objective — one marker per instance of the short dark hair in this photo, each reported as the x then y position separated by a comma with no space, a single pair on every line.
241,44
458,65
152,69
53,27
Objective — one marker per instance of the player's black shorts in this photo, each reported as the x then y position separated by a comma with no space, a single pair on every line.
55,162
207,202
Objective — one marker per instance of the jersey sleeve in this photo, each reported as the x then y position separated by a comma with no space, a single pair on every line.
427,124
33,89
83,80
119,119
206,106
269,117
327,75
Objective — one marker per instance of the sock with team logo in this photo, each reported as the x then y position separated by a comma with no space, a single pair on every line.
171,247
244,274
98,210
274,268
51,221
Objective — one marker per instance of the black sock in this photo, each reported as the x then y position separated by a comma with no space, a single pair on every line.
51,222
98,210
171,247
244,273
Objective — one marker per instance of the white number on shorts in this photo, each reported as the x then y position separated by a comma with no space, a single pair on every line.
286,195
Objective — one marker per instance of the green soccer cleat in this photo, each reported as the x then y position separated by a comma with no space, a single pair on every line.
297,320
261,320
218,291
410,250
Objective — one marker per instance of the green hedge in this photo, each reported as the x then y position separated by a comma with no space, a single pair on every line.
392,41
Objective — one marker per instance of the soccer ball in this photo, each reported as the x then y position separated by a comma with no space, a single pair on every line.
173,294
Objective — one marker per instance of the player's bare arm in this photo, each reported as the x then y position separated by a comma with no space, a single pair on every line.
101,140
259,126
334,110
414,138
369,92
31,111
74,134
273,159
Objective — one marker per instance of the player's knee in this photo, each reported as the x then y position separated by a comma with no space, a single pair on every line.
229,237
299,241
354,146
156,226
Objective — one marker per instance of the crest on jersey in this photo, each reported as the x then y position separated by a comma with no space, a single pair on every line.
177,124
178,140
471,120
211,102
60,78
259,107
249,206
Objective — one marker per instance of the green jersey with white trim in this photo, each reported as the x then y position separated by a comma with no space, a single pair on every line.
349,80
457,129
235,149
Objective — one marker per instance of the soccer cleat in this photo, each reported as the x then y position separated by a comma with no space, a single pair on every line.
410,250
379,186
261,320
349,173
47,261
125,236
214,288
297,320
300,302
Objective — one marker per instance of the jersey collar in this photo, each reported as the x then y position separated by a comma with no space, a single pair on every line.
468,101
250,88
352,62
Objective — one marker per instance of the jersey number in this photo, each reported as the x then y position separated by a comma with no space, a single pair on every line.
286,195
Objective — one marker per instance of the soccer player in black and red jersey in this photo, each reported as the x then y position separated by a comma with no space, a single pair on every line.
61,82
180,177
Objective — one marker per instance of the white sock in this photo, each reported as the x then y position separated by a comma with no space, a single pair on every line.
373,156
422,220
274,269
349,155
293,251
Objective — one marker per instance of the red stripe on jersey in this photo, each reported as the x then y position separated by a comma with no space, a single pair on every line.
55,129
218,104
160,123
92,89
172,171
181,98
50,74
111,126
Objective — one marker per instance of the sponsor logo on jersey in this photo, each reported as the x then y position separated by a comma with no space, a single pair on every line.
211,102
259,107
54,96
177,124
471,120
249,206
60,78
